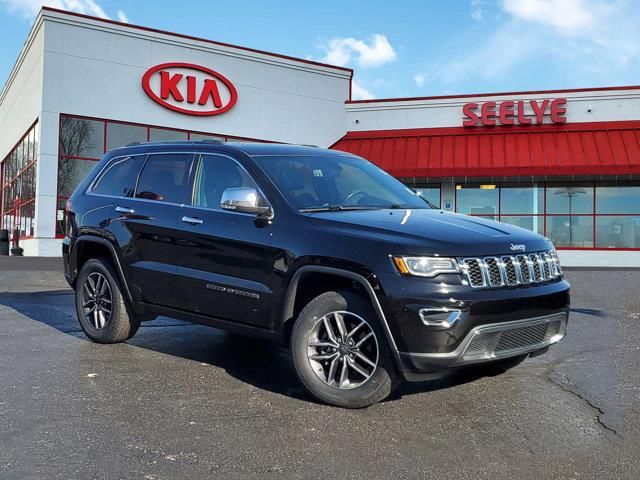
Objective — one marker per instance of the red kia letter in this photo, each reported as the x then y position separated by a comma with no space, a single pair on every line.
558,110
191,89
506,113
468,109
210,89
169,86
539,110
522,120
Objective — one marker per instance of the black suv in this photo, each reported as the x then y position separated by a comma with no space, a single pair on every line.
316,249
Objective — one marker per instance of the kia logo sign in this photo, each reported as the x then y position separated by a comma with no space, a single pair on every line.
510,113
189,89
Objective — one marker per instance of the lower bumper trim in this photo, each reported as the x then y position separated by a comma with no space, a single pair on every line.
493,341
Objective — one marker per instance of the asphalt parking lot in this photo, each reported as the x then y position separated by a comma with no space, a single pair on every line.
186,401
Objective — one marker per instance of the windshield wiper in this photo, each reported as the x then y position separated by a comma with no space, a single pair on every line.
334,208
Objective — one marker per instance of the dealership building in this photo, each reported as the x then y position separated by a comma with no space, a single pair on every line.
564,163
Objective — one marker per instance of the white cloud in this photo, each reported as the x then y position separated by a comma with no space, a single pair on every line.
566,16
360,93
576,42
30,8
340,51
122,16
420,79
477,9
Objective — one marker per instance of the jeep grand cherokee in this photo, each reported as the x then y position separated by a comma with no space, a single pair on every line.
320,250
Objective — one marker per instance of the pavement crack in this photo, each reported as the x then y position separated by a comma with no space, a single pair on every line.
572,388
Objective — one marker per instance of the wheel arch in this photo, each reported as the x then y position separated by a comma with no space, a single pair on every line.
84,244
292,293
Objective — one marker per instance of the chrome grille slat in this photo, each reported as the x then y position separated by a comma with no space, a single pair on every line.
511,267
511,270
535,265
492,264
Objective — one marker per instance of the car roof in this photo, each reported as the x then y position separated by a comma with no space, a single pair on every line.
251,148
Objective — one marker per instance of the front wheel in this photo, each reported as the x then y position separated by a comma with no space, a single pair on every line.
340,351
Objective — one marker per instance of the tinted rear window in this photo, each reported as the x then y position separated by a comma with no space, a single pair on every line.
164,177
119,179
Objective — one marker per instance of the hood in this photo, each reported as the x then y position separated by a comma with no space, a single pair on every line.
428,232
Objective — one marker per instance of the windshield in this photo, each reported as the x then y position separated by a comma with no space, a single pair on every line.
333,182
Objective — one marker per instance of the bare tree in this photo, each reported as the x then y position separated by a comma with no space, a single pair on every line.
78,138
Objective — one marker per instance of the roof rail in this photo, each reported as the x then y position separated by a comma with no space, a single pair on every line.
171,142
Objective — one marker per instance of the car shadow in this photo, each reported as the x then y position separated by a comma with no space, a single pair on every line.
254,361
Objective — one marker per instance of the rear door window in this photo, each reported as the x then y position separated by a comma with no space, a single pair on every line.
164,177
119,179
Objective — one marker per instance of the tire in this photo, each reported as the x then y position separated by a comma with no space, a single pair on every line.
112,326
358,391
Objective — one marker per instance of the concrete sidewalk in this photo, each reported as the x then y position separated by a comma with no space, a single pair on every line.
31,264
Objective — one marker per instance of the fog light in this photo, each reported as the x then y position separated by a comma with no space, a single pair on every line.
440,318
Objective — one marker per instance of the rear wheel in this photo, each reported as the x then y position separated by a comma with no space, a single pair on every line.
100,305
340,352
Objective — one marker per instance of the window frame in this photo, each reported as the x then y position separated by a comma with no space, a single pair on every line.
24,157
112,163
543,215
194,177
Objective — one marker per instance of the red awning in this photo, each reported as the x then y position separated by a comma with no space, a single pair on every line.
603,148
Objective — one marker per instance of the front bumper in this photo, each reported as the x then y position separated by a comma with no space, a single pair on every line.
492,323
493,341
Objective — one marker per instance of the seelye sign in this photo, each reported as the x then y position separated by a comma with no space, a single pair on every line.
514,112
189,89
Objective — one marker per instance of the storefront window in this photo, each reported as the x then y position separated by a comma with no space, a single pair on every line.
478,199
431,194
530,222
165,135
618,232
521,199
81,138
564,212
574,231
618,199
569,198
70,173
18,185
120,134
205,136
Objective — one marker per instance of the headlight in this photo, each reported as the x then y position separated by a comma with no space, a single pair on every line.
425,266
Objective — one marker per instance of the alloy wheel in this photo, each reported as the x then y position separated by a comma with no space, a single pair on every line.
97,300
343,350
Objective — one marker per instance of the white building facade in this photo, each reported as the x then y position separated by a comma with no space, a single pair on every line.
563,163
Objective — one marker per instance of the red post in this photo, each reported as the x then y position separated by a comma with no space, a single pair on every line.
16,222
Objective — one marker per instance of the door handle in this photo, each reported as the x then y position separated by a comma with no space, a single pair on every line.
192,220
120,209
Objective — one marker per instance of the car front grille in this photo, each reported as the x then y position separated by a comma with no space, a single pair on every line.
511,271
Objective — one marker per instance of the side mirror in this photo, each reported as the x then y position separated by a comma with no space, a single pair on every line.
245,200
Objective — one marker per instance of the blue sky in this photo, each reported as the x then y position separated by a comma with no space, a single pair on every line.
399,48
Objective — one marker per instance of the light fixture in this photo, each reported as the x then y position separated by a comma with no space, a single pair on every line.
487,187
